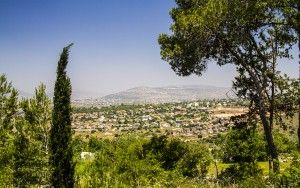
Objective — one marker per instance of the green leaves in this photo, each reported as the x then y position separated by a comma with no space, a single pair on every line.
251,34
60,133
24,129
33,129
8,103
133,160
8,110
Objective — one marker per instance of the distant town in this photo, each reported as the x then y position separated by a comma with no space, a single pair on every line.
189,120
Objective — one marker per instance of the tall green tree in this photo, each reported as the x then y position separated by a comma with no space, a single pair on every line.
231,32
60,133
37,112
32,161
8,111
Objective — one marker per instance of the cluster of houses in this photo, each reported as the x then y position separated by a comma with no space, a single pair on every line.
186,119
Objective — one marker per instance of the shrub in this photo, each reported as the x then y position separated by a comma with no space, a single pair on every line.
291,175
133,161
195,162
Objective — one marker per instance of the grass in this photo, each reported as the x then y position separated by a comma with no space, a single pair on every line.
264,166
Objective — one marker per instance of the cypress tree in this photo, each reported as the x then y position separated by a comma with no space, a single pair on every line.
60,134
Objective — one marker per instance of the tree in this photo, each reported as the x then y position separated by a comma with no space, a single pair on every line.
195,162
38,113
243,147
36,124
24,161
8,111
235,32
25,164
60,133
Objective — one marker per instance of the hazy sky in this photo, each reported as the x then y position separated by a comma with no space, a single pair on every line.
115,45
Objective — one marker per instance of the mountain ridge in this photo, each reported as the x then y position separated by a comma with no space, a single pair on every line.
164,94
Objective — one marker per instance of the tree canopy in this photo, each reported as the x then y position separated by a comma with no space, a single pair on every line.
252,35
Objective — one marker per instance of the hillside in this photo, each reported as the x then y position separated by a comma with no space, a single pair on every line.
160,95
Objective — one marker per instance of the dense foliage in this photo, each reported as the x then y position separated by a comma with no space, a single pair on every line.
242,146
134,161
250,34
8,110
24,136
31,140
60,133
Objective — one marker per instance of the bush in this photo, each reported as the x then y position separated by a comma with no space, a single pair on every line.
291,175
243,146
285,143
255,182
195,162
133,161
240,172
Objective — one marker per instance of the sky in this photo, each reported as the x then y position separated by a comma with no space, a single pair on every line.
115,45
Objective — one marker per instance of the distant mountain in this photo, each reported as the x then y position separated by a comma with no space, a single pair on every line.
162,95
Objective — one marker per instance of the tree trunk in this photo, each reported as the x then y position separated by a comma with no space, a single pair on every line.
260,104
268,133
